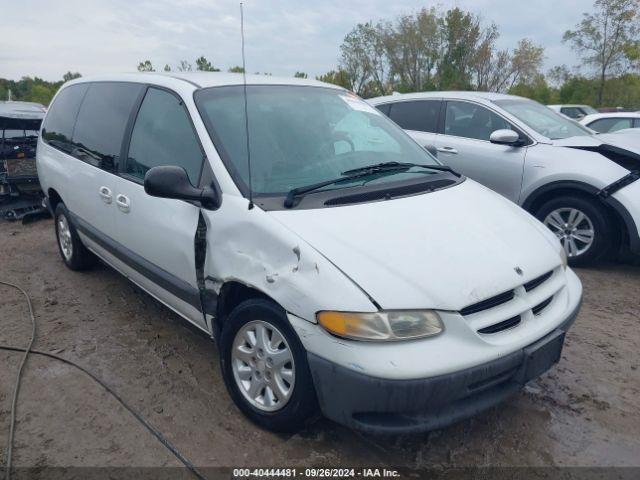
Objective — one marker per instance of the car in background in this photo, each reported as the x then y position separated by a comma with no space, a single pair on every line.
580,185
576,112
19,188
611,122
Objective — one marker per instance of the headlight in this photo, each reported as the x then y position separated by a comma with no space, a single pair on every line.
382,326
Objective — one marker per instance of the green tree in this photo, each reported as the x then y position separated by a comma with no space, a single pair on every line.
145,66
70,76
337,77
536,89
300,75
603,37
236,69
166,68
204,65
185,66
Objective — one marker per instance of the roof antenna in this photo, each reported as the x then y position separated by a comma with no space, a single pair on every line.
246,108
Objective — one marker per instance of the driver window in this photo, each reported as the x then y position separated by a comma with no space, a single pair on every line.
163,135
470,120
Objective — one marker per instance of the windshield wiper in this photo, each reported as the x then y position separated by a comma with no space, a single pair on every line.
386,166
291,196
361,172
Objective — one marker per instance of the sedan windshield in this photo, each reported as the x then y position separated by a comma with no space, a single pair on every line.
301,136
542,119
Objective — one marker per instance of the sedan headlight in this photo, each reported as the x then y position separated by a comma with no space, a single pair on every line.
391,325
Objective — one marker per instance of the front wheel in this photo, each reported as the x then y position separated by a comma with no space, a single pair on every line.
581,225
264,366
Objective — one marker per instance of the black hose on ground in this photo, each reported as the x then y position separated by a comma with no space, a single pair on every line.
168,445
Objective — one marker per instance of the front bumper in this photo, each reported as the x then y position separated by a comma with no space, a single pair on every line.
387,406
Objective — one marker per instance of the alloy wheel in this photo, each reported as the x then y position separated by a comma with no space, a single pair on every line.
574,229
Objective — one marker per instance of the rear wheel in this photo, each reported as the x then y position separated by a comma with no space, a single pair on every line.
74,254
581,225
264,366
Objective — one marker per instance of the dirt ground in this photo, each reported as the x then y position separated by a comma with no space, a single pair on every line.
584,412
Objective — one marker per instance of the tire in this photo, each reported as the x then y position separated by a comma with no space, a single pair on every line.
590,216
74,254
289,413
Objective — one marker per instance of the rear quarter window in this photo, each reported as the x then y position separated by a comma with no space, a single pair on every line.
58,124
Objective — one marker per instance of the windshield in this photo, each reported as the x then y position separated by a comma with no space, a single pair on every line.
302,135
542,119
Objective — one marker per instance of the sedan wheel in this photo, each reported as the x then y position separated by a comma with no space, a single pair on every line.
263,366
574,229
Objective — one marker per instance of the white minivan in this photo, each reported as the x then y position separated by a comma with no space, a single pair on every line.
337,264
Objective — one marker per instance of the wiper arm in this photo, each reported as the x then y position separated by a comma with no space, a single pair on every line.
356,173
291,196
381,167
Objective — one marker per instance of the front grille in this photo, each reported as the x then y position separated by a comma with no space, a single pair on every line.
488,303
541,306
536,282
499,327
516,307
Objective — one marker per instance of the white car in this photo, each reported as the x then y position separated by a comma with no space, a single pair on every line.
341,268
611,122
575,112
581,185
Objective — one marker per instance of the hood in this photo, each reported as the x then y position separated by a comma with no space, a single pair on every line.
622,149
445,250
627,141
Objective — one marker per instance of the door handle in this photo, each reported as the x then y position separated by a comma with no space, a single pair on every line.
447,150
123,203
105,194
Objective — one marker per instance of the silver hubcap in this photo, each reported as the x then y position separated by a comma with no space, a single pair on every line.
573,228
263,366
64,237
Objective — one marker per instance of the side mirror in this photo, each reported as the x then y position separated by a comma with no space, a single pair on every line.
173,182
505,137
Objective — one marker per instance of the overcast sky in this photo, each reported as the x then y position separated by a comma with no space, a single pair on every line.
46,39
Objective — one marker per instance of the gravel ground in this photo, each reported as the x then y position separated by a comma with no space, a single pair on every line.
584,412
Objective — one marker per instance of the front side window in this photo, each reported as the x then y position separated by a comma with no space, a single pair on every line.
61,117
418,115
470,120
542,119
163,135
301,135
102,120
605,125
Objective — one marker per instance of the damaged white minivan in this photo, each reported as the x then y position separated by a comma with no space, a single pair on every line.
338,265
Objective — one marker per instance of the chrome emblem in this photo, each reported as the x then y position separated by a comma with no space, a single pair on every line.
519,271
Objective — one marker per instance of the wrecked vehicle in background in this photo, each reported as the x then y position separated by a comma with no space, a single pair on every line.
582,186
347,270
20,192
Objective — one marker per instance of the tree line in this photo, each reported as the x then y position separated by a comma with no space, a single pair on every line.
455,49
